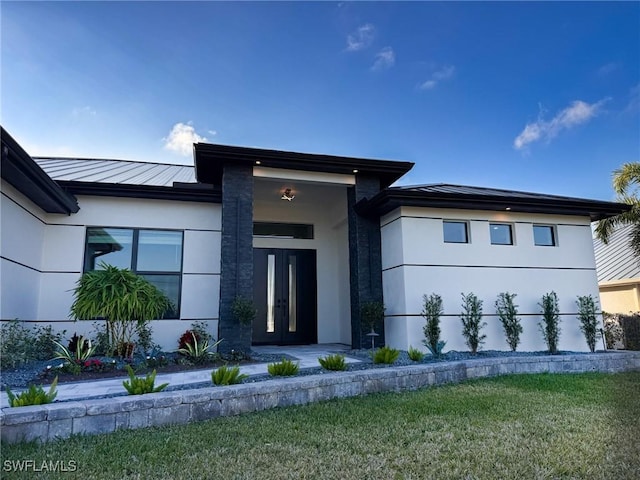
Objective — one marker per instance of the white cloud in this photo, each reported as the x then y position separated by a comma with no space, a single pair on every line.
181,139
361,38
608,68
445,73
84,111
577,113
634,100
212,132
385,58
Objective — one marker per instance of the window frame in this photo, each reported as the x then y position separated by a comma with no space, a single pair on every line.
467,234
511,233
134,259
554,235
303,227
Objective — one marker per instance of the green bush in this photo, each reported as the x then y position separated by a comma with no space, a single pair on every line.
415,354
225,375
333,362
472,321
21,344
432,311
141,385
588,320
372,314
283,368
33,396
386,355
508,313
550,326
243,310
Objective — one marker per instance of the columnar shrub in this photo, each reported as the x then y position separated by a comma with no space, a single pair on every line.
550,325
588,319
508,313
432,311
472,323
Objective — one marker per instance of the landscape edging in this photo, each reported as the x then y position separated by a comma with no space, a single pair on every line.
60,420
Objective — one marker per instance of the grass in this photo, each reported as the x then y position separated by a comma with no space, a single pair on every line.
520,426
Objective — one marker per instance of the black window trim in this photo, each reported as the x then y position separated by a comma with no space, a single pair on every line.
554,235
511,234
308,226
134,258
467,232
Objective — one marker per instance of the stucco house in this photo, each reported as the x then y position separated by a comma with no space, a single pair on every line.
308,237
618,273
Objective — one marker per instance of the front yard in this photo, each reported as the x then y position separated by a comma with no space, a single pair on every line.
525,426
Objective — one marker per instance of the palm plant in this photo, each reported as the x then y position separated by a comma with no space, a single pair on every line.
124,299
626,183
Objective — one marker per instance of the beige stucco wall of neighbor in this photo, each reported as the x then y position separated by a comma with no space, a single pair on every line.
417,261
52,249
325,206
620,296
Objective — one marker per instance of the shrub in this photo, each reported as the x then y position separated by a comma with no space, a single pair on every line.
141,385
145,338
122,298
33,395
198,351
372,314
415,354
333,362
588,320
385,355
227,376
283,368
21,344
508,313
243,310
472,321
432,311
81,352
101,339
550,325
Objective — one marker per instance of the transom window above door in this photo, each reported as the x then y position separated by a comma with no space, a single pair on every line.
155,255
283,230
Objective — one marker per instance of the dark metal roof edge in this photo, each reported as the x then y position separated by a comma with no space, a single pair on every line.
388,170
389,199
185,193
21,171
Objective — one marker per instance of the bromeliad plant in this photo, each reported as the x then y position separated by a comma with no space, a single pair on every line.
124,299
415,354
283,368
333,362
508,313
386,355
33,395
225,375
550,325
141,385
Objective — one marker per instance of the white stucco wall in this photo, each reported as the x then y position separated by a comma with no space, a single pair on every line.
52,246
417,261
324,206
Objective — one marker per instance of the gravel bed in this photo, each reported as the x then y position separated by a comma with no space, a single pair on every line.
29,373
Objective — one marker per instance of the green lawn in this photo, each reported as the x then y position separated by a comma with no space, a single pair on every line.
521,426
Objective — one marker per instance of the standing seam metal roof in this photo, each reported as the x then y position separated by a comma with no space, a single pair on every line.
615,261
116,171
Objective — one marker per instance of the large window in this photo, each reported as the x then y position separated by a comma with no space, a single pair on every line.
501,234
544,235
153,254
455,231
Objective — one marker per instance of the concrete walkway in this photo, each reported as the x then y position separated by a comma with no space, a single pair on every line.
306,355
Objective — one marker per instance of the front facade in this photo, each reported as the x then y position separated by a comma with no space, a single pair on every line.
307,238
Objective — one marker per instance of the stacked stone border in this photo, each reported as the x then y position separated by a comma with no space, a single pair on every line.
60,420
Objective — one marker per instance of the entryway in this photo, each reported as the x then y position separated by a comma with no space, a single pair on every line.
284,292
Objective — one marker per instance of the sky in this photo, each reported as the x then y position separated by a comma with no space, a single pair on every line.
541,97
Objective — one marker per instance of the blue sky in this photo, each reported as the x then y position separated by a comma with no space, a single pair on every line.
528,96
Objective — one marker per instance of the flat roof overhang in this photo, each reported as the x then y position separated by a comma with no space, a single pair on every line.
388,200
184,192
21,171
209,160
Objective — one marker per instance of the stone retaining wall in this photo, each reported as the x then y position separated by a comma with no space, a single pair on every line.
60,420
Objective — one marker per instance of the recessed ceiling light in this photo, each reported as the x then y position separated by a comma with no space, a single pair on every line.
508,208
355,170
257,162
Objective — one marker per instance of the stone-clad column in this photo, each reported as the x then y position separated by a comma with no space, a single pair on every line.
365,260
236,272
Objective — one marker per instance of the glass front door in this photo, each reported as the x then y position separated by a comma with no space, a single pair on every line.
284,286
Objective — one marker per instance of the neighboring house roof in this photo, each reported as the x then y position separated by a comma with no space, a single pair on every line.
125,178
19,169
442,195
210,159
615,261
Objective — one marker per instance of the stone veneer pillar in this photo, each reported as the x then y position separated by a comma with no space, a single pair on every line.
236,271
365,260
